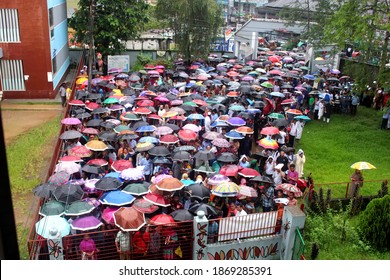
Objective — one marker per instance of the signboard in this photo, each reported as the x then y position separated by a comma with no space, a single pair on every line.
118,62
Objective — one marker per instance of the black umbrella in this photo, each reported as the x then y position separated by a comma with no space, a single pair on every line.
227,157
70,134
126,137
94,96
84,115
173,126
68,193
110,86
187,108
280,122
204,155
90,168
171,96
198,191
208,209
196,96
263,179
181,215
258,104
99,111
107,136
181,155
159,151
44,190
219,107
108,125
184,148
108,184
93,123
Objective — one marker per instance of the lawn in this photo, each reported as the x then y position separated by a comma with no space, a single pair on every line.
331,148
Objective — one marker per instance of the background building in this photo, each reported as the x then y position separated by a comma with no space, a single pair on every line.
34,43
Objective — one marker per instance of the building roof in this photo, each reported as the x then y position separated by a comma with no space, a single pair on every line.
279,4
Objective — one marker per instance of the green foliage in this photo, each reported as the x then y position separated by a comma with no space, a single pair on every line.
115,22
195,24
374,223
142,60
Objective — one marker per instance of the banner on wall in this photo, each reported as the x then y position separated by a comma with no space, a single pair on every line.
118,62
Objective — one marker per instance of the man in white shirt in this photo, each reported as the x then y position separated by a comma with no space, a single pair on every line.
207,122
298,136
293,133
240,210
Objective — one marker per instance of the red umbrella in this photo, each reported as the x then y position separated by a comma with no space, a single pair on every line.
76,102
232,94
248,172
157,199
169,139
142,111
294,112
276,72
162,219
92,105
154,117
129,219
244,130
70,158
187,135
80,151
270,130
178,118
200,102
97,161
274,58
232,74
229,170
121,164
286,188
145,103
288,101
144,206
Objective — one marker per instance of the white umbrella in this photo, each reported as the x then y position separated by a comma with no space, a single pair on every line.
69,167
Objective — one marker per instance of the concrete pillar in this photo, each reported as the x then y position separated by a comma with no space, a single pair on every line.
54,245
236,47
201,230
254,44
293,218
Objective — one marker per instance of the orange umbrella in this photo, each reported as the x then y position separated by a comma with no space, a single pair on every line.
96,145
170,184
294,112
244,130
129,219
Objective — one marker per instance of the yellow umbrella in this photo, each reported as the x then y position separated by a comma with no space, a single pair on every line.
117,91
142,147
170,114
96,145
81,80
362,165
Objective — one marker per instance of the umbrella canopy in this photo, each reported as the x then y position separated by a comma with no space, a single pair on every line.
129,219
69,167
206,208
170,184
108,215
221,143
204,155
236,121
137,188
120,128
59,178
52,208
132,174
181,155
227,157
286,188
198,191
362,165
71,121
143,147
121,164
93,169
173,126
144,206
68,193
162,220
181,215
146,128
70,134
44,190
79,208
157,199
159,151
211,135
48,223
234,135
80,151
244,130
98,162
117,198
187,135
169,139
86,223
149,139
229,170
302,117
163,130
280,122
294,112
270,130
226,189
192,127
195,117
70,158
248,172
276,116
268,143
248,191
108,184
217,179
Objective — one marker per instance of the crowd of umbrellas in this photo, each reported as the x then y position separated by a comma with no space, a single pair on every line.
89,189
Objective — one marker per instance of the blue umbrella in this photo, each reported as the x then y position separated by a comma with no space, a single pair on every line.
115,175
234,135
46,224
253,110
187,182
302,117
116,198
146,128
195,117
219,124
149,139
309,77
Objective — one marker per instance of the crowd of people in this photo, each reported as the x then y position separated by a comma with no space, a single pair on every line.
204,124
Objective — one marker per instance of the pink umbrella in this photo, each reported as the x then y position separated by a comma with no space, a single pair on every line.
192,127
121,164
248,172
176,102
157,199
163,130
80,151
158,178
71,121
187,135
97,161
169,139
229,170
108,215
90,130
144,206
221,143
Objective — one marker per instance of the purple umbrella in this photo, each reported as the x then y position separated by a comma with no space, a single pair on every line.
176,102
236,121
86,223
217,179
71,121
288,59
96,81
247,78
116,107
335,71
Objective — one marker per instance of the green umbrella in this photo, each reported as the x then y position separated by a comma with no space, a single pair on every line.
137,188
267,85
111,100
237,108
121,127
304,68
52,208
190,103
79,208
253,73
276,116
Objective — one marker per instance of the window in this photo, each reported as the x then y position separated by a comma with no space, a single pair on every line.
11,75
9,26
51,21
54,62
52,33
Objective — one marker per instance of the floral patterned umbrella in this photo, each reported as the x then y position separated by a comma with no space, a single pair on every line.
121,164
221,143
80,151
59,178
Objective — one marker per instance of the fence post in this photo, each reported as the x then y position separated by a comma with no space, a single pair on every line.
54,245
201,231
347,190
293,218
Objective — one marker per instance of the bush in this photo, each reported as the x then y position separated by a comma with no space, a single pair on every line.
374,223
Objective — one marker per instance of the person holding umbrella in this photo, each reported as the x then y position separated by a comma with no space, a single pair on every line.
356,183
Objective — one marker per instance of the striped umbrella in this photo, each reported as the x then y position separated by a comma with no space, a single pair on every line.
268,143
226,189
248,191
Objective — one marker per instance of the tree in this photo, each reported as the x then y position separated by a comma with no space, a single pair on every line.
195,24
115,22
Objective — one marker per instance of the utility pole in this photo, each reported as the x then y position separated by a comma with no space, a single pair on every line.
91,43
239,14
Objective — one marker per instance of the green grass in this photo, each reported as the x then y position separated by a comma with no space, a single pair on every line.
26,156
332,148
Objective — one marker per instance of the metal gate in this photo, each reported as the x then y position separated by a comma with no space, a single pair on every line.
299,246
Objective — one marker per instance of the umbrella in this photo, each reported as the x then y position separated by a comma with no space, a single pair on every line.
204,155
44,226
52,208
286,188
226,189
187,135
69,167
270,130
217,179
211,135
280,122
229,170
137,188
163,130
142,147
169,139
267,85
362,165
244,130
98,162
68,193
195,117
193,127
129,219
132,174
108,184
144,206
248,172
236,121
170,184
142,111
234,135
288,102
75,102
294,112
44,190
69,159
84,115
128,116
90,130
237,108
71,121
80,151
162,220
302,117
108,215
70,134
206,208
145,103
146,128
276,116
121,164
78,208
86,223
96,145
184,148
120,128
248,191
221,143
268,143
181,155
198,191
59,178
89,185
93,169
93,123
181,215
159,151
157,199
116,198
174,127
148,139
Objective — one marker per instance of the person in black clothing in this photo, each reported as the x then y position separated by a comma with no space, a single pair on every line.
282,159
